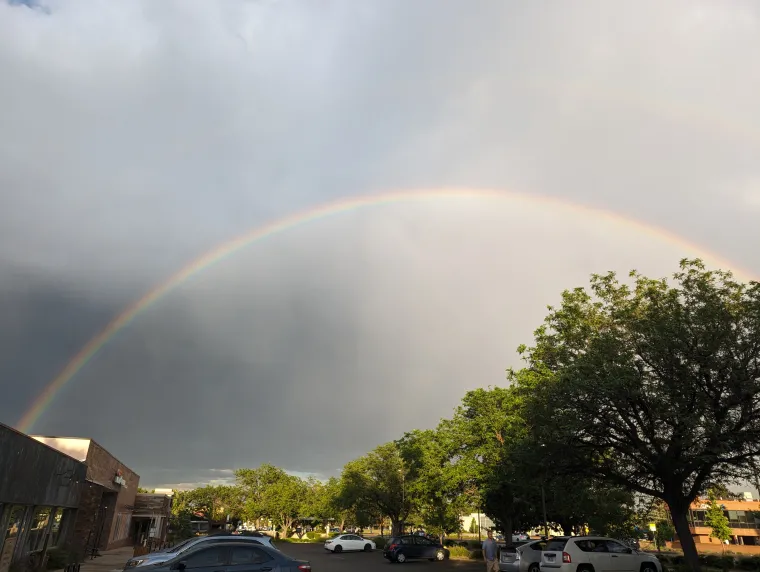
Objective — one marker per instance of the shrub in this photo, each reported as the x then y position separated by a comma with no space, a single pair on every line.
450,542
459,552
313,535
476,554
380,541
58,559
748,563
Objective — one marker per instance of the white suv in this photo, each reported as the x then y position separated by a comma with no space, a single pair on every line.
595,554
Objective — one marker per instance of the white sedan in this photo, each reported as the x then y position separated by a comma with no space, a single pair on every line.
349,542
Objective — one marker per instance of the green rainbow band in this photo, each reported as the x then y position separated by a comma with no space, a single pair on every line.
47,396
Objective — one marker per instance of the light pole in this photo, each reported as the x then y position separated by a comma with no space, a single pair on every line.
543,506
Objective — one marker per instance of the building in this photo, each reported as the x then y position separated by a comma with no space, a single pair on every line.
479,520
150,518
40,492
107,503
741,518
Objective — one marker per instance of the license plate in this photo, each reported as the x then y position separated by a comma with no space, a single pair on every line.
550,557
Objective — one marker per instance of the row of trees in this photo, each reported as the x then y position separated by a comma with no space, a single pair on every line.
634,395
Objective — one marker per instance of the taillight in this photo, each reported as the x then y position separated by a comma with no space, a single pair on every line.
304,567
392,546
566,558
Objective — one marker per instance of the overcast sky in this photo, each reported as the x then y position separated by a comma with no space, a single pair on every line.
137,135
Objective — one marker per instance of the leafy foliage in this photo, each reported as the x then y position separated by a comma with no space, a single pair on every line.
649,386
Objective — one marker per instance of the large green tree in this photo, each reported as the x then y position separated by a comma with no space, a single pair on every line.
651,385
438,493
377,482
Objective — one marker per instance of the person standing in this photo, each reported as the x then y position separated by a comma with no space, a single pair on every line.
490,553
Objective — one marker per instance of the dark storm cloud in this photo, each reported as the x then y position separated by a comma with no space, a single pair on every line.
134,136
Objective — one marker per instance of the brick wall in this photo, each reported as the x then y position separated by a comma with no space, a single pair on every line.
86,517
102,468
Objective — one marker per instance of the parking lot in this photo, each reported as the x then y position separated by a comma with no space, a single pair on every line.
324,561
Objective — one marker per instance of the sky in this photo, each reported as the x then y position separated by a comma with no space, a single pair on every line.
136,136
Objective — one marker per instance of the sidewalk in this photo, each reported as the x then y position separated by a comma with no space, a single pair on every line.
109,561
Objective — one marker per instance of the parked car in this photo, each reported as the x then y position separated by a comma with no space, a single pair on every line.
586,553
349,542
413,547
165,555
521,556
230,553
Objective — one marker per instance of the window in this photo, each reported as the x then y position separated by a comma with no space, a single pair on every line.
206,557
35,540
15,521
591,545
241,556
616,547
121,526
55,531
556,545
538,546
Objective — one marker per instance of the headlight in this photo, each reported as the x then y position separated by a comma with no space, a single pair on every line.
133,563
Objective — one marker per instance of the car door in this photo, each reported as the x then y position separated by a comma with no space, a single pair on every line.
622,558
250,559
595,551
349,541
427,547
210,559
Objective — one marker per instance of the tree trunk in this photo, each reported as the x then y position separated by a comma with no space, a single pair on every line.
681,524
507,522
395,527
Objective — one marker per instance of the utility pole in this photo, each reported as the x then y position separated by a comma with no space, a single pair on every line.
479,539
543,505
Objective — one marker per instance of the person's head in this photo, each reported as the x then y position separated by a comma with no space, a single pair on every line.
490,534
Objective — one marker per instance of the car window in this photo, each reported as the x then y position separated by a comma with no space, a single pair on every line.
556,545
211,556
425,541
245,555
616,547
538,546
353,537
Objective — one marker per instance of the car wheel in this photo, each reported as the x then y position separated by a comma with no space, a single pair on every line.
648,568
367,548
440,555
400,557
534,568
338,549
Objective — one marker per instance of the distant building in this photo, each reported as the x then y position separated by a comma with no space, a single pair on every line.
40,491
150,518
482,521
741,518
104,515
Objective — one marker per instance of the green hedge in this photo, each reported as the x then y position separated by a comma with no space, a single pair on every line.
459,552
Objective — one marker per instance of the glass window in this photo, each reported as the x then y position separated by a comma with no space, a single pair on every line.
616,547
207,557
35,540
55,531
247,556
15,521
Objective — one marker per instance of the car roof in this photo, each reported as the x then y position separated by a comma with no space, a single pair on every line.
239,542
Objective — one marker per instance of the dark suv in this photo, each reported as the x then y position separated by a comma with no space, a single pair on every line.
413,547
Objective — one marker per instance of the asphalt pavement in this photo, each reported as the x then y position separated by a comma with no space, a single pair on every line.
324,561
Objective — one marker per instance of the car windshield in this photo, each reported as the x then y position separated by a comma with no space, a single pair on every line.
181,545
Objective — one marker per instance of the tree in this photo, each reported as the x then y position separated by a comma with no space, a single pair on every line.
433,485
664,532
146,491
651,387
717,520
377,482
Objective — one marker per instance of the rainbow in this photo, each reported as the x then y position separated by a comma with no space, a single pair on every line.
227,249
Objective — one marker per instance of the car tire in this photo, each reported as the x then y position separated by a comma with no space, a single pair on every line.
584,568
400,557
440,556
338,549
648,567
367,548
534,568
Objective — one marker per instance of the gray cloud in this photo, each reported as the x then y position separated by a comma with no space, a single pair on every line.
135,136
